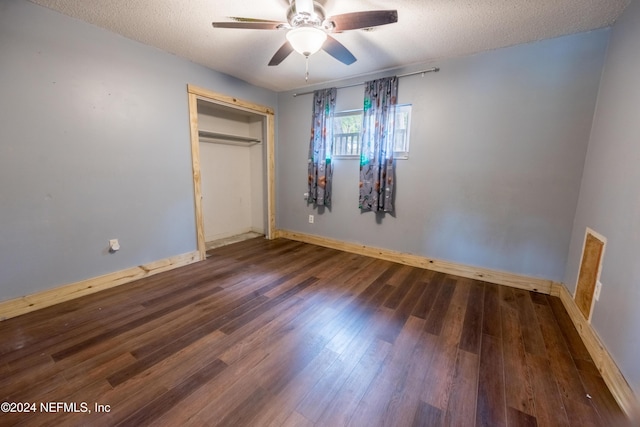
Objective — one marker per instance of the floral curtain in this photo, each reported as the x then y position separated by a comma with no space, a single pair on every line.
377,167
321,147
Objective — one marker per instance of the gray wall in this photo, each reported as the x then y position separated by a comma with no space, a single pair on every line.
94,145
498,142
609,200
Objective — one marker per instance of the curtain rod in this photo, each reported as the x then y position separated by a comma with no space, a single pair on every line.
434,69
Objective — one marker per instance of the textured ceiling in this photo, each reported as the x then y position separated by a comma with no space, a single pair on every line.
427,30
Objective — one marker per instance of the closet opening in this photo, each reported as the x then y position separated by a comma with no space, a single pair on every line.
232,153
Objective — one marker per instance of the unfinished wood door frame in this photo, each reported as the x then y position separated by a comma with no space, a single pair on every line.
584,294
267,113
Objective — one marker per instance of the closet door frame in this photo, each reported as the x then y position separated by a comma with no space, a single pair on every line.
196,93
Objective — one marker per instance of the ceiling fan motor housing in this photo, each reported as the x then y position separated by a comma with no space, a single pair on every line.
316,19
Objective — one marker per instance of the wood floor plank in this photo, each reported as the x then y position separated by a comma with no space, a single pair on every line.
244,412
128,340
356,315
581,415
69,351
441,306
90,394
427,299
272,379
287,344
560,360
538,298
172,370
323,392
375,404
19,345
82,386
405,399
436,391
218,397
412,277
609,412
275,333
427,416
275,327
549,409
245,313
531,333
571,336
464,391
507,298
123,401
518,389
165,350
50,343
251,314
19,381
491,319
491,404
412,289
472,327
177,328
402,275
292,395
341,408
165,402
295,420
321,263
517,418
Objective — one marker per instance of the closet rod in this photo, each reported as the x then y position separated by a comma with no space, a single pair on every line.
430,70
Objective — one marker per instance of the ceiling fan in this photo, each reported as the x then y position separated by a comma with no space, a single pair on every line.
308,29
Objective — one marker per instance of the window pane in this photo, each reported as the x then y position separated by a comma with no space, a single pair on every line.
346,133
402,124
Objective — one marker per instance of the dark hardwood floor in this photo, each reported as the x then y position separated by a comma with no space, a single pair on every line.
288,334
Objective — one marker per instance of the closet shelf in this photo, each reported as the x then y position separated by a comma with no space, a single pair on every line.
225,138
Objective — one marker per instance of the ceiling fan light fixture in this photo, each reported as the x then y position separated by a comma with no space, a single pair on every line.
306,40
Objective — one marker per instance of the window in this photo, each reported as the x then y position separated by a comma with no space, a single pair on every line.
347,127
402,124
347,130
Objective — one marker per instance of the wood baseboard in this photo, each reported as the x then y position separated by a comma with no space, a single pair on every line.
493,276
22,305
610,372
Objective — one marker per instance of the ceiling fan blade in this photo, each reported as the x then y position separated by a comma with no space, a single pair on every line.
336,49
251,25
367,19
243,19
282,53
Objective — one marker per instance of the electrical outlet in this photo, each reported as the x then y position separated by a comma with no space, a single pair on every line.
596,293
311,219
114,245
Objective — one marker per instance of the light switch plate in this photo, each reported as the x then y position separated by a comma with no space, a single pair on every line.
596,293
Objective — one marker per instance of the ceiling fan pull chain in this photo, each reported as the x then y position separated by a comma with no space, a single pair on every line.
306,69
